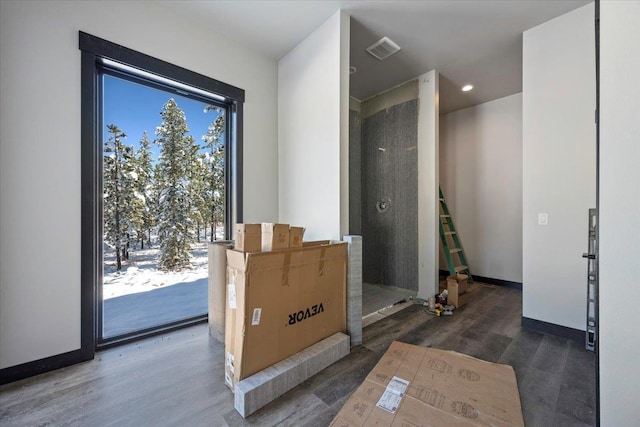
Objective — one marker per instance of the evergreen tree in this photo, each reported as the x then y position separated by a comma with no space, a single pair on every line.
196,185
173,216
156,189
144,188
199,195
214,159
122,204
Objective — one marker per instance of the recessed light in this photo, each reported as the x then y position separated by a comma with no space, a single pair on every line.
467,88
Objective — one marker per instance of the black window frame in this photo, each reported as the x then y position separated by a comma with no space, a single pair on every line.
99,57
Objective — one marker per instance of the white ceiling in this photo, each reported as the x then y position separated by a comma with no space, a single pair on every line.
477,42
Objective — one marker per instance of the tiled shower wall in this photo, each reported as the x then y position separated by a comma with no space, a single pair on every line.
383,171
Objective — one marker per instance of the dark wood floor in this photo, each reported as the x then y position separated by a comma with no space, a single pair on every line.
177,379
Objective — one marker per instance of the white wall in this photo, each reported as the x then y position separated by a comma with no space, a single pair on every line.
313,131
481,178
558,165
619,256
40,149
428,182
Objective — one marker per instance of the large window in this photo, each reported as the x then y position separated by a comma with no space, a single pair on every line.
161,176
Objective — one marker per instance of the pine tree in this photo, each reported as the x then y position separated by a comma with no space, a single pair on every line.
122,203
196,185
199,195
144,188
156,189
173,216
214,158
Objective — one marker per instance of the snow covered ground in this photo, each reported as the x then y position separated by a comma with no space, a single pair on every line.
140,272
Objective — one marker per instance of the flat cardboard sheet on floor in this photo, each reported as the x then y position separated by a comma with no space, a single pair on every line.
281,302
441,389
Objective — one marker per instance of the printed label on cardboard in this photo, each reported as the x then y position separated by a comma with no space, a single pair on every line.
231,291
255,320
301,315
390,399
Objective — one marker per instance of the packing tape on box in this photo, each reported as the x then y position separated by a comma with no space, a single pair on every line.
323,253
285,269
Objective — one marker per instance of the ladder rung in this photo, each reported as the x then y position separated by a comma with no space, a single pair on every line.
448,229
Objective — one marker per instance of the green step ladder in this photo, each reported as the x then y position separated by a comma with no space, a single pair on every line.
451,244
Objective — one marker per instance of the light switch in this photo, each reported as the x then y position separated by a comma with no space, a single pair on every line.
543,219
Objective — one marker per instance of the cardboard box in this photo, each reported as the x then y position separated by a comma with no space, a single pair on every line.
274,236
457,290
248,237
426,386
458,300
295,237
315,243
459,280
279,303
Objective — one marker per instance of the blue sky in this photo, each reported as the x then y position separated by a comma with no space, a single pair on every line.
135,108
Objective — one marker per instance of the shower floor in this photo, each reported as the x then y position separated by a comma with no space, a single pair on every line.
377,297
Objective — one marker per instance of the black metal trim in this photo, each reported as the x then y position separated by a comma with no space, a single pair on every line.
499,282
94,53
151,332
115,52
597,250
551,328
229,168
164,87
489,280
40,366
91,251
238,148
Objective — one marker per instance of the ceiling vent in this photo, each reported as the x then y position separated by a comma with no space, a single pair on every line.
383,48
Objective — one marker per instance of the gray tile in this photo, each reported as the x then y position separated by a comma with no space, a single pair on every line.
537,417
539,393
521,351
355,172
492,347
577,403
389,174
561,420
258,390
552,354
354,289
184,384
479,328
377,297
